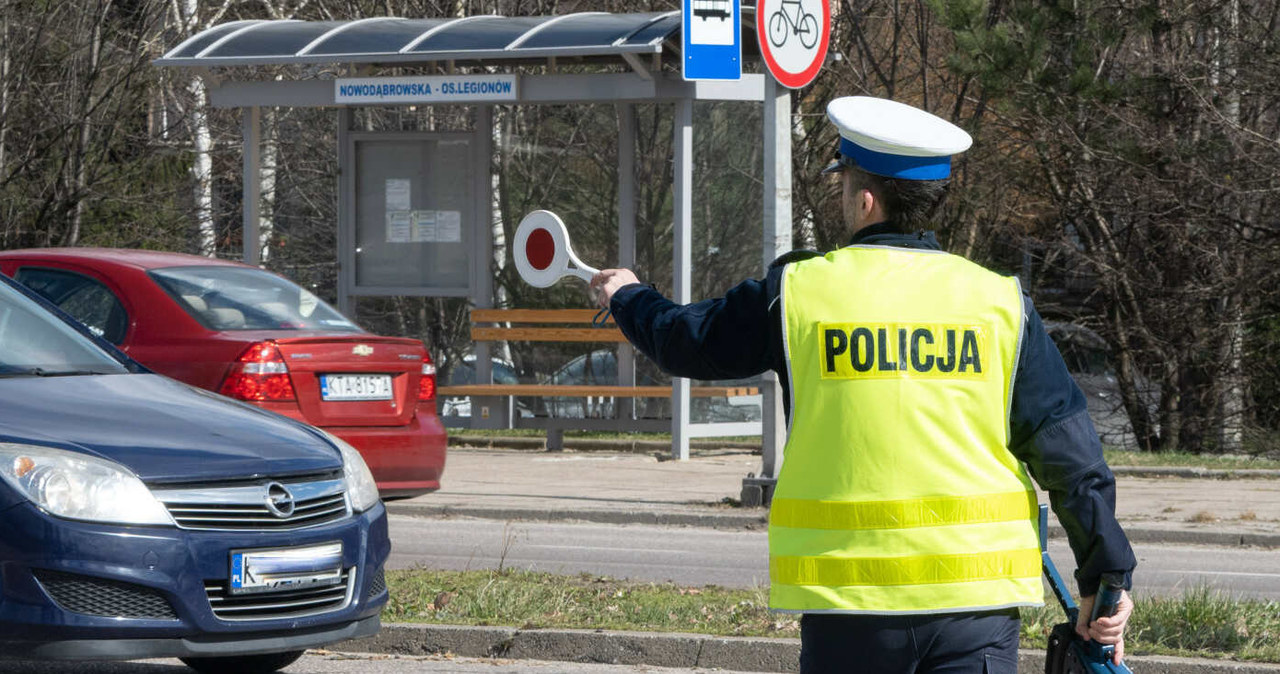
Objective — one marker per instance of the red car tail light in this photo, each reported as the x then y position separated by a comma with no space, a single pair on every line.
427,384
259,374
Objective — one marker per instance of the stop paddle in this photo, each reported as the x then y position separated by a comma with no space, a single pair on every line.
542,251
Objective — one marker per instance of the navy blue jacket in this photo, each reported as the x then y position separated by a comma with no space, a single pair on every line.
740,335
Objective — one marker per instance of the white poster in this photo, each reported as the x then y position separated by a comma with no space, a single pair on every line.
398,193
399,226
424,225
713,22
449,226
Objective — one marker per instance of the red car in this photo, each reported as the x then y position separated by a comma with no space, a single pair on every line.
257,337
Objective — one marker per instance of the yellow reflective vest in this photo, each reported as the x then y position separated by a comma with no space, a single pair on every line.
897,492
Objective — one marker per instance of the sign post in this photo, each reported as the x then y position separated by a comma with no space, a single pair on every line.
712,37
793,37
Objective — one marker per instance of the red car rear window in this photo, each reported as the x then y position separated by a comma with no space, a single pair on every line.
243,298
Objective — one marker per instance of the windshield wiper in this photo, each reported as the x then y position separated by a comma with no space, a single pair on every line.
41,372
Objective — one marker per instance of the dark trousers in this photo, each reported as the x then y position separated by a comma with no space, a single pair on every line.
951,643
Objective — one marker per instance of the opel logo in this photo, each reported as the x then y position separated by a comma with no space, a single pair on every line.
279,500
362,350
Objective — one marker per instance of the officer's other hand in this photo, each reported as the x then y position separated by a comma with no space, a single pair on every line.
608,281
1109,630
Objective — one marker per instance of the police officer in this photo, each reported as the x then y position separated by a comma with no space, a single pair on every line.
920,391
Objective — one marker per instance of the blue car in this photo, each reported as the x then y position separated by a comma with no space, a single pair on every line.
141,517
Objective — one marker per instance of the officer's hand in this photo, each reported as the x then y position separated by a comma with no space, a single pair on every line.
1106,630
608,281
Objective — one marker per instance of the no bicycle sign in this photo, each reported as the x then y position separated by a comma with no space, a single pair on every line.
793,38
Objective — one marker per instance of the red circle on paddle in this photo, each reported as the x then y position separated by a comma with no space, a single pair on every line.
540,249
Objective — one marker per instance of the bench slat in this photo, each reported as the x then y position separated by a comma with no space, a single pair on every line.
479,334
533,315
602,391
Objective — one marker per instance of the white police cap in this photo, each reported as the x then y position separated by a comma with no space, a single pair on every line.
893,139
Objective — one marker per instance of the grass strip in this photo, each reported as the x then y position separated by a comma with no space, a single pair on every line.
1199,623
1119,457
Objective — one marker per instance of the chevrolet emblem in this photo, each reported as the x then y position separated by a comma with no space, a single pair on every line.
362,350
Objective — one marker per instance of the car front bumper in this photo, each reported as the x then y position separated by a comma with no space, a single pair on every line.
144,591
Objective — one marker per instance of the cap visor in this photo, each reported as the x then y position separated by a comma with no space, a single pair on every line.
833,167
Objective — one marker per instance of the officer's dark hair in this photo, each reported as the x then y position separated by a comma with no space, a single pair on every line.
911,205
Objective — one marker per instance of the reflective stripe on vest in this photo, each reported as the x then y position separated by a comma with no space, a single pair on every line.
897,492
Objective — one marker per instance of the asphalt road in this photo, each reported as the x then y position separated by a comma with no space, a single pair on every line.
343,663
698,556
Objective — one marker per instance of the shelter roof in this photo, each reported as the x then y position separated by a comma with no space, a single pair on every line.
392,40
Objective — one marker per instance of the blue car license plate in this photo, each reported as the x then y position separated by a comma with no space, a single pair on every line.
284,569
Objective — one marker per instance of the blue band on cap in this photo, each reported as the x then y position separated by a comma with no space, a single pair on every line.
896,165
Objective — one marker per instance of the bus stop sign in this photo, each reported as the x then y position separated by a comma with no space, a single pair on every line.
712,37
793,38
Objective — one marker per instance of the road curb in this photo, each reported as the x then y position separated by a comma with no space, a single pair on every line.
714,520
653,649
1188,472
758,519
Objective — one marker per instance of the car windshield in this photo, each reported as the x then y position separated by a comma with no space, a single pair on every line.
243,298
34,342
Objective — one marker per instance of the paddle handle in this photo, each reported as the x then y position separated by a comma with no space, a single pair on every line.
582,271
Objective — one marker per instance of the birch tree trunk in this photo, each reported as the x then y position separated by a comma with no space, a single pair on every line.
201,140
267,200
84,138
4,86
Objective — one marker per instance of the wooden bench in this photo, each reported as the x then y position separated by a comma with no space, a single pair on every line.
566,325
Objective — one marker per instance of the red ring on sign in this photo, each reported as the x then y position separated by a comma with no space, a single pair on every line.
540,249
788,79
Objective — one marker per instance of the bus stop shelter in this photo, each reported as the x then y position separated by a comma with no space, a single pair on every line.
484,61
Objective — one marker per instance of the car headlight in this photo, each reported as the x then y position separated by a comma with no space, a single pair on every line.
78,486
360,485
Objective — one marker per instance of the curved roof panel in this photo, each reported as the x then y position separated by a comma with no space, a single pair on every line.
397,40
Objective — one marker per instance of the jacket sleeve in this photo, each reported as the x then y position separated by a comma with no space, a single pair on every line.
1050,431
727,337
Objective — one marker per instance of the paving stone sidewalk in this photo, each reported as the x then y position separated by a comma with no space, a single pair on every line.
649,488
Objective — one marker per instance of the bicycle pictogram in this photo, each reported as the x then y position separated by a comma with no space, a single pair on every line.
783,25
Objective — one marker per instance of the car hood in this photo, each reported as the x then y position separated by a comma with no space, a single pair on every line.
163,430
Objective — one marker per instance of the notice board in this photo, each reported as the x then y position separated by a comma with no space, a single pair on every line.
413,214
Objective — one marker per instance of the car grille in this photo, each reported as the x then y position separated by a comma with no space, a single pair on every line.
271,605
379,584
109,598
247,507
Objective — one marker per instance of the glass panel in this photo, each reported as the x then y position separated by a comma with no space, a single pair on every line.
242,298
207,38
376,37
494,33
414,213
276,39
86,299
658,31
35,342
591,30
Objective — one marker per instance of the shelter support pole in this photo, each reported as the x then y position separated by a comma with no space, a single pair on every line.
626,237
346,214
682,261
251,130
777,240
486,412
